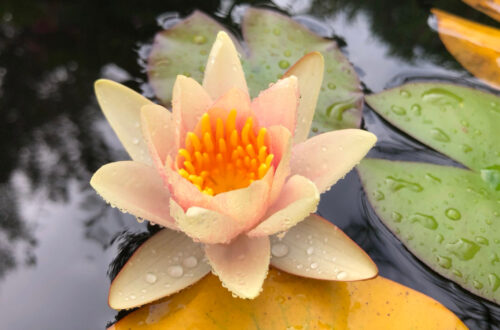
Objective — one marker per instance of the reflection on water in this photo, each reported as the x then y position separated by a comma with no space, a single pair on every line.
56,234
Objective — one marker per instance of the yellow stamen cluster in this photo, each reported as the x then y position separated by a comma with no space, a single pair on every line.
223,158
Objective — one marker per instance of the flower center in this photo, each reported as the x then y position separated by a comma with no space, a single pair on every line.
223,157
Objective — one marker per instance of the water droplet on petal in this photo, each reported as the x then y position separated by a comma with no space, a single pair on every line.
279,250
151,278
190,262
310,250
453,214
341,275
314,265
175,271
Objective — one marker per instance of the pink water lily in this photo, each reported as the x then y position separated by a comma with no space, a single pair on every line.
227,176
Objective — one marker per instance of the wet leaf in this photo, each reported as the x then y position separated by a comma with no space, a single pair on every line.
489,7
460,122
275,43
475,46
448,217
290,302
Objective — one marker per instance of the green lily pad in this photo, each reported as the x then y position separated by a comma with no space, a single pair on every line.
274,43
448,217
460,122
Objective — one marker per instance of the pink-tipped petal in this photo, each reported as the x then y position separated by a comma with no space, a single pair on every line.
280,140
205,225
241,265
309,72
122,108
163,265
316,248
277,105
134,188
328,157
189,102
158,131
234,98
223,70
298,199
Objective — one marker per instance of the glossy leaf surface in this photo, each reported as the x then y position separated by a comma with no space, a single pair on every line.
275,42
460,122
475,46
448,217
290,302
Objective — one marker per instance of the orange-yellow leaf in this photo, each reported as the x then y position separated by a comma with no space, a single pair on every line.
475,46
489,7
291,302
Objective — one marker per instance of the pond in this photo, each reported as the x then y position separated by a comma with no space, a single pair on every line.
58,238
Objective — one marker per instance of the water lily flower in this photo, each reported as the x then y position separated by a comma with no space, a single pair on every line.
226,175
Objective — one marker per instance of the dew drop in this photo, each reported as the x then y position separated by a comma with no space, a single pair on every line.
478,285
494,281
324,148
341,275
310,250
132,297
151,278
287,53
199,39
466,148
190,262
175,271
416,109
398,184
453,214
314,265
378,195
396,216
482,240
444,262
279,250
438,135
397,110
331,86
463,248
425,220
276,31
404,93
284,64
135,141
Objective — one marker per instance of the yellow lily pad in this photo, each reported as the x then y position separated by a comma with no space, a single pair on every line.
290,302
475,46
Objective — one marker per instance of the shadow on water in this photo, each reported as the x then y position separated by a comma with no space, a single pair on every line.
53,137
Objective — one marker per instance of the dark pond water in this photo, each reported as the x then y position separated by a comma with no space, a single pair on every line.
56,235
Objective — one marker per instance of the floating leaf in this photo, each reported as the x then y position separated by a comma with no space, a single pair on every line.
290,302
460,122
275,43
489,7
448,217
475,46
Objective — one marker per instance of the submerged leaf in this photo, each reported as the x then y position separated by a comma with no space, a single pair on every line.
489,7
290,302
475,46
460,122
275,42
448,217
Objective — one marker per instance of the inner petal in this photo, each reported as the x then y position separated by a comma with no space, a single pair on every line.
218,156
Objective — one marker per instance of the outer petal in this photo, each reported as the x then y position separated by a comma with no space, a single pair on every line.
135,188
316,248
242,265
166,263
158,131
297,200
281,147
277,105
122,106
328,157
223,70
206,225
309,71
189,102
